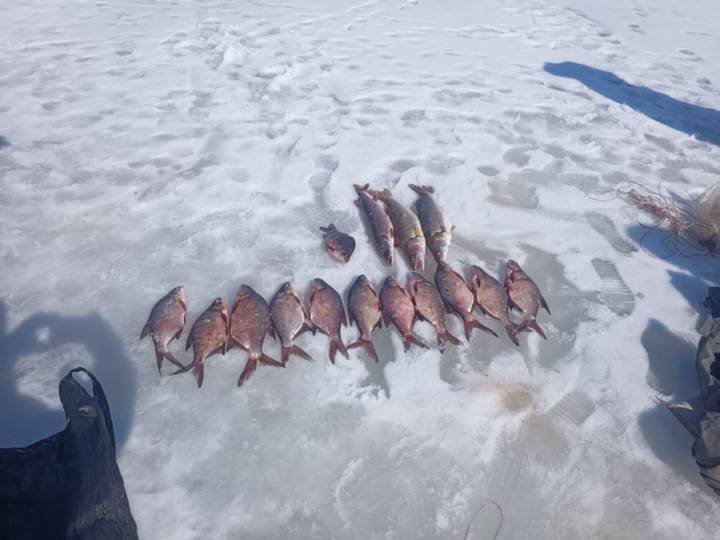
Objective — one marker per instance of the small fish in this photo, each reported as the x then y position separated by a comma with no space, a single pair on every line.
408,232
430,307
249,322
398,308
382,227
289,319
524,296
435,223
364,308
208,336
493,299
340,246
458,297
327,314
165,323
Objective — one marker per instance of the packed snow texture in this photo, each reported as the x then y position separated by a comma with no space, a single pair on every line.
148,144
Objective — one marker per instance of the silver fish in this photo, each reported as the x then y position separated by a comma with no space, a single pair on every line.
435,223
382,227
408,232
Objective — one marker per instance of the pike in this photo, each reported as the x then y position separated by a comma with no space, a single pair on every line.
408,232
435,223
380,224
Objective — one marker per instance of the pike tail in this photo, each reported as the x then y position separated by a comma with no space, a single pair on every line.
369,347
472,323
293,349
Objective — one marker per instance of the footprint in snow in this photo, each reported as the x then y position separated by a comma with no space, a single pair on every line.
606,228
614,292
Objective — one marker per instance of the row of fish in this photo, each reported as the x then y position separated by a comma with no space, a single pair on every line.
245,326
394,225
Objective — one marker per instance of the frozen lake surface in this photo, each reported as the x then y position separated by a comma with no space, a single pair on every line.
147,144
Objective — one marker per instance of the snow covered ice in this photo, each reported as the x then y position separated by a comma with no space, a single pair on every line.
149,144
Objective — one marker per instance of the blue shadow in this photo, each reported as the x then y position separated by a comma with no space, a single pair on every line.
701,122
24,419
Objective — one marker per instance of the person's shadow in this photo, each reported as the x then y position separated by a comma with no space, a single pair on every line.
671,372
702,122
24,419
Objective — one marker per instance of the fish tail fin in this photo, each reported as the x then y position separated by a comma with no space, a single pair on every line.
164,353
382,194
198,371
329,228
145,330
248,370
159,355
449,337
183,369
532,324
297,351
543,303
369,347
512,332
410,339
361,187
421,189
336,345
472,323
265,360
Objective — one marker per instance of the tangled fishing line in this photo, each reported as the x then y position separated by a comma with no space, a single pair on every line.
692,225
477,512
